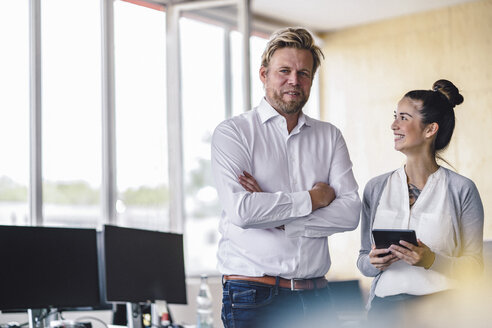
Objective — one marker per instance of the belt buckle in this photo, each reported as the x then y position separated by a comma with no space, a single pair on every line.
293,284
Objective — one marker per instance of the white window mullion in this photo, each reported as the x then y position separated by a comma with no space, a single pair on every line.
108,190
174,120
227,72
35,186
244,23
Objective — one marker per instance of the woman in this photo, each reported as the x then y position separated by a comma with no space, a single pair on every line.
443,207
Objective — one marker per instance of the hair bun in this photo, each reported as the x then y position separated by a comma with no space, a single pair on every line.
448,89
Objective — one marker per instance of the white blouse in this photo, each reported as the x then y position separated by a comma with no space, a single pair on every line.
430,218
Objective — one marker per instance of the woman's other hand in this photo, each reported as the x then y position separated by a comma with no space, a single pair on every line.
420,255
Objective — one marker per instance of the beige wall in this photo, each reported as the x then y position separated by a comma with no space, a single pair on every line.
368,68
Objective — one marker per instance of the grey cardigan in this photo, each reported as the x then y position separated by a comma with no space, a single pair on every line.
467,220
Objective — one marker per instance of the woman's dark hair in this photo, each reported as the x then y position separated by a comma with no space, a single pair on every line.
438,106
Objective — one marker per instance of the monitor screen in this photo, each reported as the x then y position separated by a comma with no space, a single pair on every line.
44,267
143,265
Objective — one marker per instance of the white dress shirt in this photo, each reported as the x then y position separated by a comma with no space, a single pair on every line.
285,166
430,218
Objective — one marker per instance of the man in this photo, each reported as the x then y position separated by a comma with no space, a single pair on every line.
285,183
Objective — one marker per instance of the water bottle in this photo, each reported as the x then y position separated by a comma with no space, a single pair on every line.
205,317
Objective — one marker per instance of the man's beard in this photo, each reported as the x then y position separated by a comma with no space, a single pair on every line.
288,107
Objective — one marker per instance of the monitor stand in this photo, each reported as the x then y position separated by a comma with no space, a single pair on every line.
41,318
35,318
133,315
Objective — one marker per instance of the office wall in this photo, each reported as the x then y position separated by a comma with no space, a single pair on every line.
368,69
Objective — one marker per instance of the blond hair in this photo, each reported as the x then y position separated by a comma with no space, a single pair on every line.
292,37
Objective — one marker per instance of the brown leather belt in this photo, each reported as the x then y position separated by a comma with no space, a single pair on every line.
292,284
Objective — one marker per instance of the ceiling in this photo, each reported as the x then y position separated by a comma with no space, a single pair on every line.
317,15
327,15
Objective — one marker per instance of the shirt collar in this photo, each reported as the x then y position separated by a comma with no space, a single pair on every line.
436,176
267,112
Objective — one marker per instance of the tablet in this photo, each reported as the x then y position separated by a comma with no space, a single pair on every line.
384,238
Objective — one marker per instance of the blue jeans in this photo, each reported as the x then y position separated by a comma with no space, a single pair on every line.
250,304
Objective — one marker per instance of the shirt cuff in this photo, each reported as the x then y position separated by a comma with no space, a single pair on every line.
295,228
301,206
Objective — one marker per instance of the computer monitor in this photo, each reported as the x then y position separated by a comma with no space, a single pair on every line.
48,267
143,265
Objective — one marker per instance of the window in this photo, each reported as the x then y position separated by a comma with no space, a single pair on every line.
71,112
141,117
14,110
72,124
203,108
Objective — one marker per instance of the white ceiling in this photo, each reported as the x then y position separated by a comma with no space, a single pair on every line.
326,15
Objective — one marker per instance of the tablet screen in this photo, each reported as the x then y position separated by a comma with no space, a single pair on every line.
384,238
